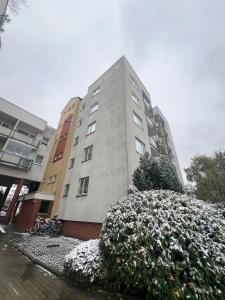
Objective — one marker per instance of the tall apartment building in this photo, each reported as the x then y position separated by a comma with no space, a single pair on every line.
25,143
116,125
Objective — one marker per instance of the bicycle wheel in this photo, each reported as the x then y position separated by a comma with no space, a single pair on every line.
35,228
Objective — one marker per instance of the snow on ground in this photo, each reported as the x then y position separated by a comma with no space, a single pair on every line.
50,250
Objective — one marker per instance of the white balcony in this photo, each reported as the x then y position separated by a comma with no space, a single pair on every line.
25,138
5,130
153,142
15,160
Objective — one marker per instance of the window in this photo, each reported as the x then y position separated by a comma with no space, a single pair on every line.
96,91
44,207
76,141
83,186
66,190
135,99
137,119
23,132
94,108
38,160
82,107
79,123
49,180
91,127
71,164
88,153
45,141
53,179
4,125
140,147
133,81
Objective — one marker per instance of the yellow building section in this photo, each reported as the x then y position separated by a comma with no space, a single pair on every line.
59,157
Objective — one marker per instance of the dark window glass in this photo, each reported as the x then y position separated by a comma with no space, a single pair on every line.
83,185
88,153
44,207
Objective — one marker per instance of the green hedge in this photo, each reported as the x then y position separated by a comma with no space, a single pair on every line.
165,245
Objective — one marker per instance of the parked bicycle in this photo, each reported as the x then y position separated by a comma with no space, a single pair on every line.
52,227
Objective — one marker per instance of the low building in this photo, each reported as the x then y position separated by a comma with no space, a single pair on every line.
25,143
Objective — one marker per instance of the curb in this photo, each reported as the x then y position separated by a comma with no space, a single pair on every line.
35,260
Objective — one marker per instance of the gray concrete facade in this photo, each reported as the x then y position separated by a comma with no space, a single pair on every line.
125,126
25,143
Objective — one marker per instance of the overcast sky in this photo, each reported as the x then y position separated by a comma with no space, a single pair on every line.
53,50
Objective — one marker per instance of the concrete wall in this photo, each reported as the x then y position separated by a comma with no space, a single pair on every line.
133,130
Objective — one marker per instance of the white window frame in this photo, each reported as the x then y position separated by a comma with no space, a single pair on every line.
94,108
37,163
135,99
79,123
76,141
66,190
139,143
88,153
82,182
91,128
133,81
45,141
96,91
53,179
71,163
137,120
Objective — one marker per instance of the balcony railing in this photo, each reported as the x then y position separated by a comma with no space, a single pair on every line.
15,160
5,130
25,138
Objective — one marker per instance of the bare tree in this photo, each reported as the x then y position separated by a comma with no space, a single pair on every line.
15,6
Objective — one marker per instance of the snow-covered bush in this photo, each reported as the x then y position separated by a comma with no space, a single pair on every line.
165,245
84,264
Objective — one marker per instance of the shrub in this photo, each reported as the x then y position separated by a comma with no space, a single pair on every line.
156,173
165,245
83,265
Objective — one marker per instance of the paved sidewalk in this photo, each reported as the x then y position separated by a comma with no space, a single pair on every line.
50,251
21,279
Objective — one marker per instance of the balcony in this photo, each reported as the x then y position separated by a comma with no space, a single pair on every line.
5,130
154,151
25,138
15,160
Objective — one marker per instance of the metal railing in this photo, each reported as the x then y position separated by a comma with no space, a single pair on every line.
15,134
15,160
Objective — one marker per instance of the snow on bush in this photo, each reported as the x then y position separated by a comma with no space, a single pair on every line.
166,245
84,263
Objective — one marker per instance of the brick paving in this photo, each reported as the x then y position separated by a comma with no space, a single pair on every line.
22,279
49,250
